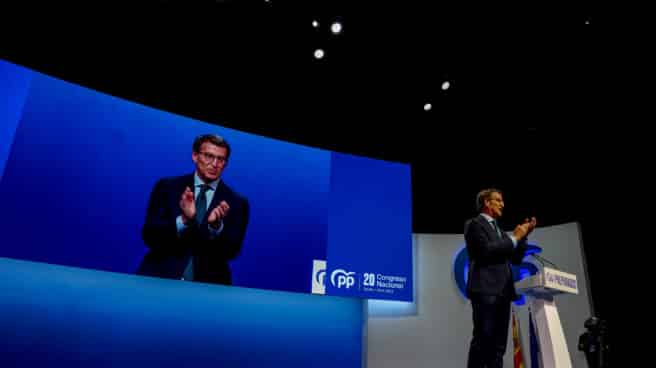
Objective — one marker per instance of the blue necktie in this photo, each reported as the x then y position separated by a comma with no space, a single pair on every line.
201,203
201,210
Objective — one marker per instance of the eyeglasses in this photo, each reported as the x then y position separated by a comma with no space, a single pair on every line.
209,158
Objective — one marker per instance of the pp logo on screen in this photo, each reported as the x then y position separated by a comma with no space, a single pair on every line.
340,278
318,276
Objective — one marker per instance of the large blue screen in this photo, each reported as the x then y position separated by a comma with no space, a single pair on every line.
80,166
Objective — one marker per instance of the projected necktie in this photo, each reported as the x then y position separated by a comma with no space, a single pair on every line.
201,209
201,203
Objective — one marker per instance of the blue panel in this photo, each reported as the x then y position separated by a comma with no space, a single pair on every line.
370,229
14,86
56,316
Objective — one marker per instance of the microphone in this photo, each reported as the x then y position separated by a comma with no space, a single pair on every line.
543,260
537,259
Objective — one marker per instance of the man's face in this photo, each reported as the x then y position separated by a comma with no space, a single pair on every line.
210,161
495,205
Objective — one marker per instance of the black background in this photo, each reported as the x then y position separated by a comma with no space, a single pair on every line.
530,108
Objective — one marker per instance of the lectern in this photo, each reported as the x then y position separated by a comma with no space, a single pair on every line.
541,290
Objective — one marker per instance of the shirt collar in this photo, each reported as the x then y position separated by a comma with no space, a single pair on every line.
198,181
487,217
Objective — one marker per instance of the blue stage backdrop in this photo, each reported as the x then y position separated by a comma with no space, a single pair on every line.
80,166
14,82
59,316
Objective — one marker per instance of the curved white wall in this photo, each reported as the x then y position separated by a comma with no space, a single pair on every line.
438,334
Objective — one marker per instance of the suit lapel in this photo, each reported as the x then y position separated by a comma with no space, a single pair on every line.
219,195
489,229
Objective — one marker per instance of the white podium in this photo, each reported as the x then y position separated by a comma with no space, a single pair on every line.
540,290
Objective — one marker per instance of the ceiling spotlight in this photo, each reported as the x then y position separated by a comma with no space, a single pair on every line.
336,28
315,24
587,22
318,53
427,107
446,85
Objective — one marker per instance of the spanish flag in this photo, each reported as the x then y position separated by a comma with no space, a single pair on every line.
518,357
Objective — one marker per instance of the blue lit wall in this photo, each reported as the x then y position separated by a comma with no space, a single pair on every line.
14,86
58,316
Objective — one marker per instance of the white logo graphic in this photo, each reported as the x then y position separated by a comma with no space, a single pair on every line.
318,276
344,278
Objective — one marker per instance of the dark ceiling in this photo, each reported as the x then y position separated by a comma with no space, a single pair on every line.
524,79
528,87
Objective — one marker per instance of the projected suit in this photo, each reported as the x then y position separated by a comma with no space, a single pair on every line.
490,284
185,241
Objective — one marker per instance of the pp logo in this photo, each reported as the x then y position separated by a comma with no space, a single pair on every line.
345,279
318,276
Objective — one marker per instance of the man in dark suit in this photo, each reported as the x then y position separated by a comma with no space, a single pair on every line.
490,284
195,223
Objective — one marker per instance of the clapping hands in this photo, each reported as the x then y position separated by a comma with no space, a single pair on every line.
521,231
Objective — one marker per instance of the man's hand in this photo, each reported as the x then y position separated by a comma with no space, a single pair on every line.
531,224
218,214
187,205
522,231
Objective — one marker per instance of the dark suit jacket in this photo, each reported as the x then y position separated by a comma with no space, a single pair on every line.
490,258
169,252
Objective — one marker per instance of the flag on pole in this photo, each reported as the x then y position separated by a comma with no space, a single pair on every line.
518,356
